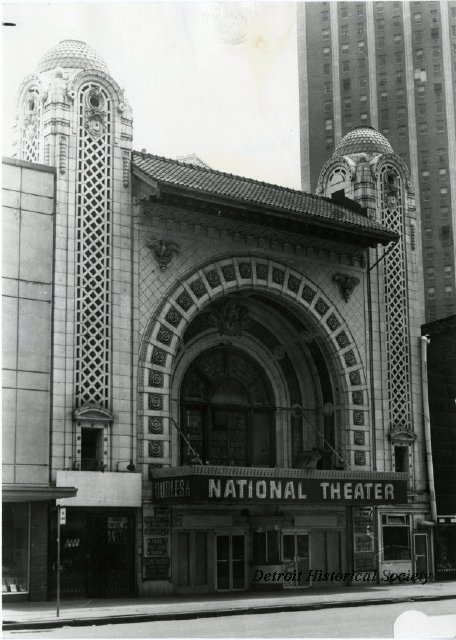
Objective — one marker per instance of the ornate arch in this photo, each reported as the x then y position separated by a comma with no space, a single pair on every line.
103,79
204,285
334,163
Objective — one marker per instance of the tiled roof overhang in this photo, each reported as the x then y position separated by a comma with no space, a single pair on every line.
247,200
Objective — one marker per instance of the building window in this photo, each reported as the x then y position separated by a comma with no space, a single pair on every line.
437,69
384,114
401,130
436,52
429,254
431,293
361,63
359,10
326,51
421,109
363,82
418,36
381,60
419,53
385,131
15,546
347,103
397,38
442,173
447,271
396,537
363,118
401,458
326,87
444,212
448,291
399,76
328,124
343,12
92,458
345,66
420,75
361,45
430,273
400,94
401,112
443,192
344,33
435,33
363,98
426,195
428,233
384,96
438,88
445,234
417,17
381,24
381,41
347,121
266,547
326,69
398,57
346,84
345,48
361,30
439,107
426,214
425,175
325,34
421,90
440,126
380,7
329,143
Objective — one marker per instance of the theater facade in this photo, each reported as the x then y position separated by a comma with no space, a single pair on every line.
236,373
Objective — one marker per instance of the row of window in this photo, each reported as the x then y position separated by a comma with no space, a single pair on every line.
426,194
448,291
447,272
445,251
442,174
444,212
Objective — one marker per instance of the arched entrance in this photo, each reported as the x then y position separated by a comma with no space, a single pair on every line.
227,410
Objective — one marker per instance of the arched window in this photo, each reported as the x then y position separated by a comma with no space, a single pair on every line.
227,410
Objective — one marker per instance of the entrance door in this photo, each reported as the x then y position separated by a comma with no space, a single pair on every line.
295,556
420,551
230,562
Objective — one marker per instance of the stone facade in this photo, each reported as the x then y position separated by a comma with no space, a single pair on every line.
201,334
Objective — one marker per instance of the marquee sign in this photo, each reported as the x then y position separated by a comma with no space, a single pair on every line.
195,489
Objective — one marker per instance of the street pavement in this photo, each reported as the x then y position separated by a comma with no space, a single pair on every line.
42,615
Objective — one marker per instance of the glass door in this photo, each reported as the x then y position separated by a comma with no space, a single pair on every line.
295,556
420,549
230,562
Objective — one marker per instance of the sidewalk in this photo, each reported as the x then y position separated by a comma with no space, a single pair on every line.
42,615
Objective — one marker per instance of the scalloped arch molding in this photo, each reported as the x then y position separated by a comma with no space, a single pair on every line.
204,285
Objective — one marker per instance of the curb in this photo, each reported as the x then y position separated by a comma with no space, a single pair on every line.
192,615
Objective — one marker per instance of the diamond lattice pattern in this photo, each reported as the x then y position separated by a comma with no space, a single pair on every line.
31,127
93,261
396,304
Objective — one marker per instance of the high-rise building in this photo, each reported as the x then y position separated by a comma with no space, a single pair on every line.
391,65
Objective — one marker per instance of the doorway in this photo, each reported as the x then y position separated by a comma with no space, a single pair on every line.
230,562
421,552
296,558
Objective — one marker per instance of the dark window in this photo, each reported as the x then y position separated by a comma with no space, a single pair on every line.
396,543
91,449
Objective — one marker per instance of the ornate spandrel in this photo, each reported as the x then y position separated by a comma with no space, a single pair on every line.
163,251
346,284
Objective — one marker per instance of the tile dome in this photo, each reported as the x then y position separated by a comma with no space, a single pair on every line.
363,140
73,54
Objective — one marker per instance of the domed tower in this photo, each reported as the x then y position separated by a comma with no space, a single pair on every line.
365,169
72,115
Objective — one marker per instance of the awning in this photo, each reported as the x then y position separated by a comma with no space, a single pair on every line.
35,492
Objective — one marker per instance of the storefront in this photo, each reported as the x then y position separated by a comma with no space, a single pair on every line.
27,510
227,529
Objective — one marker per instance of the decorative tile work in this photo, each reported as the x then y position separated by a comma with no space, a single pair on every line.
350,359
262,271
159,357
228,272
155,401
245,270
359,438
308,294
173,317
360,458
155,424
342,339
156,449
213,278
321,307
155,378
357,397
278,275
358,418
355,378
184,301
164,336
332,322
293,283
93,254
198,288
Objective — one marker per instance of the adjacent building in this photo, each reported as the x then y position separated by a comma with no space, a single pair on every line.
233,368
391,65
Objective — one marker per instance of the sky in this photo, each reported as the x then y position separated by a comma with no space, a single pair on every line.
218,79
